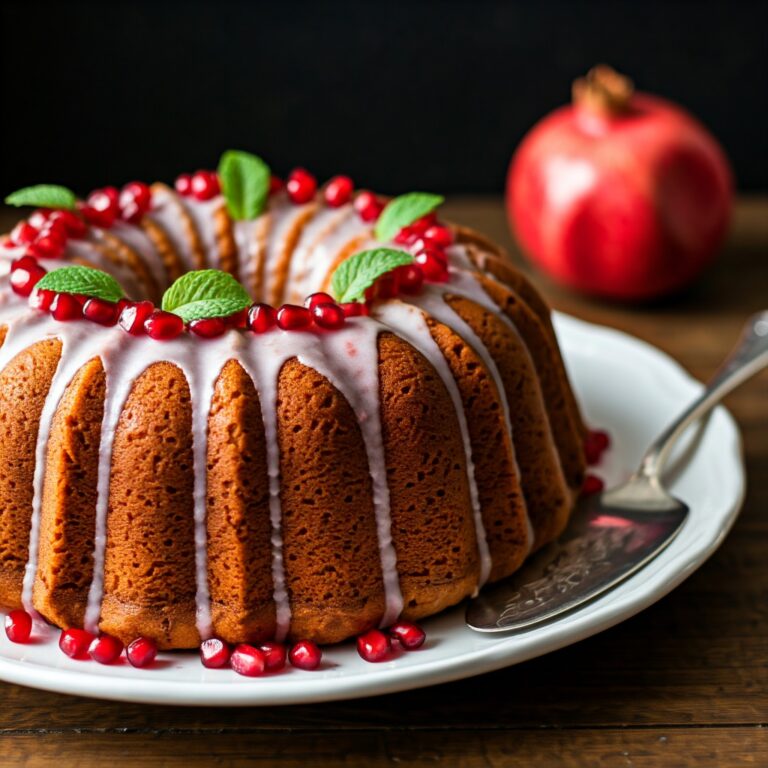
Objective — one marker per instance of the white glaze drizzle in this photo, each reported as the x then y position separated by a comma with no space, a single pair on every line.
203,215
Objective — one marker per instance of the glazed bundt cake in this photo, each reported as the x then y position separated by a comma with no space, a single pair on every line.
304,473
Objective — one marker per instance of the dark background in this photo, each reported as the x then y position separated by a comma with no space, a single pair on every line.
431,95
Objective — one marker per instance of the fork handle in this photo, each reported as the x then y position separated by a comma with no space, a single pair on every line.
748,357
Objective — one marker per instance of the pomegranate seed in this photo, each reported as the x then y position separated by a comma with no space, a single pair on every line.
410,636
163,326
301,186
433,265
338,191
328,316
183,184
49,246
101,312
424,223
23,233
205,185
261,318
318,298
368,206
214,653
39,218
238,320
105,649
134,315
387,286
18,626
209,327
135,199
411,279
41,299
406,236
275,656
73,224
592,484
293,318
247,660
275,184
141,652
595,444
105,201
439,235
354,309
25,276
374,645
75,643
65,307
102,219
305,655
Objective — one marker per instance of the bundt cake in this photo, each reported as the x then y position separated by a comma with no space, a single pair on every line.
310,476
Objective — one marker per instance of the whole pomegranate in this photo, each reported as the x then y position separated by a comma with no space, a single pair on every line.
621,194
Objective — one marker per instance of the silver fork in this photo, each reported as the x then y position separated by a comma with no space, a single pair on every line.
613,534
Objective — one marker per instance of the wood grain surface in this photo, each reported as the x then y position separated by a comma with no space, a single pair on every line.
685,683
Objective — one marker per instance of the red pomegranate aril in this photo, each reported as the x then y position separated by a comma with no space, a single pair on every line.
24,233
301,186
291,317
262,318
305,655
75,643
411,636
368,206
55,228
374,645
328,316
141,652
18,626
214,653
73,224
354,309
592,484
387,286
433,265
183,184
208,327
49,246
137,193
163,326
105,649
238,320
101,312
39,218
65,307
104,200
595,444
25,277
275,655
96,218
439,235
406,236
410,278
204,185
247,660
318,298
42,299
134,315
422,224
338,191
275,184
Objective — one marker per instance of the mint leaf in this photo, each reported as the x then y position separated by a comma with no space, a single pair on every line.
83,280
204,285
404,210
199,310
43,196
244,183
360,271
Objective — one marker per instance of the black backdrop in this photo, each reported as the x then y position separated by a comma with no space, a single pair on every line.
425,94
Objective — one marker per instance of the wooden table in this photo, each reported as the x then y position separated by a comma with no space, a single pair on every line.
683,683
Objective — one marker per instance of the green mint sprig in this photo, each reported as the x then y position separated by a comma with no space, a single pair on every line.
43,196
403,211
85,281
360,271
244,183
205,293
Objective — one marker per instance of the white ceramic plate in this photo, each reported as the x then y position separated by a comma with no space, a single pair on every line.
627,387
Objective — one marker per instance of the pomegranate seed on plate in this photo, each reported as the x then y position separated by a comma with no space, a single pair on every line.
65,307
134,315
75,643
183,184
275,655
301,186
291,317
247,660
262,318
305,655
409,635
338,191
214,653
374,645
141,652
328,316
163,326
18,626
592,484
105,649
101,312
